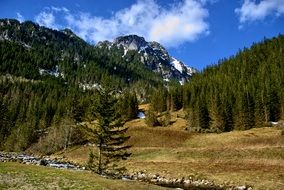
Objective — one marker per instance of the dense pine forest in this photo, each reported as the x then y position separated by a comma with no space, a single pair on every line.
241,92
51,80
48,111
238,93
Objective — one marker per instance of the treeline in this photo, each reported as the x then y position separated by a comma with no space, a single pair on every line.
244,91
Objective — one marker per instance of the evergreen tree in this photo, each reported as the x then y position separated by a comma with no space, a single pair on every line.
4,122
215,113
109,134
127,106
151,118
159,100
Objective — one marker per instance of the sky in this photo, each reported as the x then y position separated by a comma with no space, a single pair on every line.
197,32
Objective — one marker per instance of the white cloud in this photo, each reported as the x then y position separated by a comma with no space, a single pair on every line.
58,9
183,23
178,23
48,16
20,17
253,11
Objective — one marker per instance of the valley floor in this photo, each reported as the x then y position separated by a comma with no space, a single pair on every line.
253,158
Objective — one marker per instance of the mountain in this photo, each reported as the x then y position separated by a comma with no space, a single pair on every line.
45,74
50,79
154,56
39,50
62,54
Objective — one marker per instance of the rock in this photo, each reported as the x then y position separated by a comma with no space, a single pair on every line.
154,176
178,181
153,181
43,162
141,176
241,187
125,179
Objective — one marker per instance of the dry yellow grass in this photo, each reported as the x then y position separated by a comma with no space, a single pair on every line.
143,136
144,107
267,136
254,157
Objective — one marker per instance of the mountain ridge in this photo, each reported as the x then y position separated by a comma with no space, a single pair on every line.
65,46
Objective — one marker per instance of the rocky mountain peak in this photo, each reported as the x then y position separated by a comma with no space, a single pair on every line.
104,43
68,32
154,56
9,22
131,42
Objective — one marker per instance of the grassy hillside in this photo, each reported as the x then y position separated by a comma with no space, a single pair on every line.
19,176
254,157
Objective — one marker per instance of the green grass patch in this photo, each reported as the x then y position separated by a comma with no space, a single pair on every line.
19,176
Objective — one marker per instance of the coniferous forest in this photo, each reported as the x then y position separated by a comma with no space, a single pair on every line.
41,108
241,92
238,93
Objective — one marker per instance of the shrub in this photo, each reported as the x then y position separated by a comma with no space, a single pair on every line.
152,118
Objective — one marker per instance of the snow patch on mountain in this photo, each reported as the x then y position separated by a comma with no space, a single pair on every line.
177,64
54,72
125,51
89,86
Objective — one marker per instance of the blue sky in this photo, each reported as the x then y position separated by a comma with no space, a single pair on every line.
197,32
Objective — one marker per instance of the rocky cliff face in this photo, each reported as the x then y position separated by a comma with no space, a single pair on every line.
154,56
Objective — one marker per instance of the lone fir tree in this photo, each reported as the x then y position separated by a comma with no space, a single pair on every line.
109,136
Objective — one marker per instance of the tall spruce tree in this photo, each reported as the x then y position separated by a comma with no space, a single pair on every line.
109,135
215,114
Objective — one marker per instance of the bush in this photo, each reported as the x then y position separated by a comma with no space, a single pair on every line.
91,161
151,118
166,119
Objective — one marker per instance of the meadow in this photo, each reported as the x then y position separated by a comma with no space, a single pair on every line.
253,157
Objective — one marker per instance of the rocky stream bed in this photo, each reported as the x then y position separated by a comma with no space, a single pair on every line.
183,183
